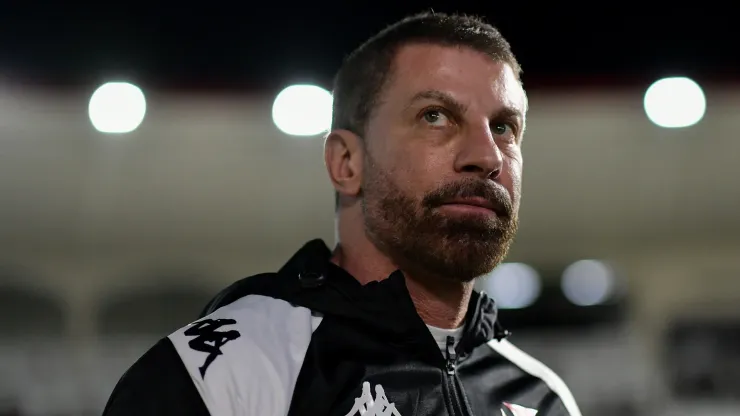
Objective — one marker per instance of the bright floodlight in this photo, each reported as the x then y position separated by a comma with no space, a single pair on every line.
302,110
588,282
675,102
117,107
513,285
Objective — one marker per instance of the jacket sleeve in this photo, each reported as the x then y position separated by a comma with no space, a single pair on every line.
157,384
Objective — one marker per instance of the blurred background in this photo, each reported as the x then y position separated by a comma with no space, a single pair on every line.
150,156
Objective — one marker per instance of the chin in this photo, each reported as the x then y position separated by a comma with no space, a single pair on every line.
453,259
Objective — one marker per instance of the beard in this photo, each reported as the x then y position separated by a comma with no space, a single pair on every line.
416,236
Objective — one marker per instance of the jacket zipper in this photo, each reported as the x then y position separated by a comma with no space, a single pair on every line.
451,369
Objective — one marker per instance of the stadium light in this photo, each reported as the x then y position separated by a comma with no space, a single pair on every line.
675,102
302,110
588,282
513,285
117,107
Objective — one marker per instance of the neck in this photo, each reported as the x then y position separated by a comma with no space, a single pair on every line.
439,302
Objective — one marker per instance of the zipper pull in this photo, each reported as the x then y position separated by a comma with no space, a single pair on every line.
451,356
499,332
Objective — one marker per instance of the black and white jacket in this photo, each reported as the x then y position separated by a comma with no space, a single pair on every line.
309,340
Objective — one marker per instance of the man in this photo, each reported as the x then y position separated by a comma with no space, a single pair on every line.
425,156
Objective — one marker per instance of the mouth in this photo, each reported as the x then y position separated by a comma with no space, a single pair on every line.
473,205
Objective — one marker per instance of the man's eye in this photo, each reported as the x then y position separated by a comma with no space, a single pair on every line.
501,128
435,118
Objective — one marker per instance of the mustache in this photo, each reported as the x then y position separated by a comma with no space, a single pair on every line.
472,188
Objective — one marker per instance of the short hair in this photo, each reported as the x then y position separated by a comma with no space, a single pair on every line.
361,78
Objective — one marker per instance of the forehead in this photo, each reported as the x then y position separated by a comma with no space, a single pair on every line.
472,77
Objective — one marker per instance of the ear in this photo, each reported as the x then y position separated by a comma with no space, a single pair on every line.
343,156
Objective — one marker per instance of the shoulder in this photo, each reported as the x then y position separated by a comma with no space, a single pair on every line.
157,384
534,367
247,352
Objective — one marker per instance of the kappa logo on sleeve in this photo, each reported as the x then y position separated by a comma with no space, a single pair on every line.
365,405
209,339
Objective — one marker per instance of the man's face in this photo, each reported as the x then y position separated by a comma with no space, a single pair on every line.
443,163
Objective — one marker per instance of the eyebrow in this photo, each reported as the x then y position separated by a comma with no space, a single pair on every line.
455,105
442,97
509,113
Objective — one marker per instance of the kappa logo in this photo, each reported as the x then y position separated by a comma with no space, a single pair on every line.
516,410
365,405
209,340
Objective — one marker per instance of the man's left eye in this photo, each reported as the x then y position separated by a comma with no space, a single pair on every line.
500,128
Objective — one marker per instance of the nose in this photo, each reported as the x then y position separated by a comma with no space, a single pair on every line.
480,155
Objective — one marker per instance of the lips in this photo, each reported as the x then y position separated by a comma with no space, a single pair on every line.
475,202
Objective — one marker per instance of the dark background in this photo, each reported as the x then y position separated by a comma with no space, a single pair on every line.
262,46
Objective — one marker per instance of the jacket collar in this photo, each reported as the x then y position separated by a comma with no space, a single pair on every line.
385,305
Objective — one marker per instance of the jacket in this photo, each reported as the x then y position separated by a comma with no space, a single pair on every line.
310,340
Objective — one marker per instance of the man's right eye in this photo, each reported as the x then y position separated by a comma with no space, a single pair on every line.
436,118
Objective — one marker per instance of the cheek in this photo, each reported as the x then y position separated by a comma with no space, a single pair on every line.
409,181
513,177
410,169
394,179
430,176
515,166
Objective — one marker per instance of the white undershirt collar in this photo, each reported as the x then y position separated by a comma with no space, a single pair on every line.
440,335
